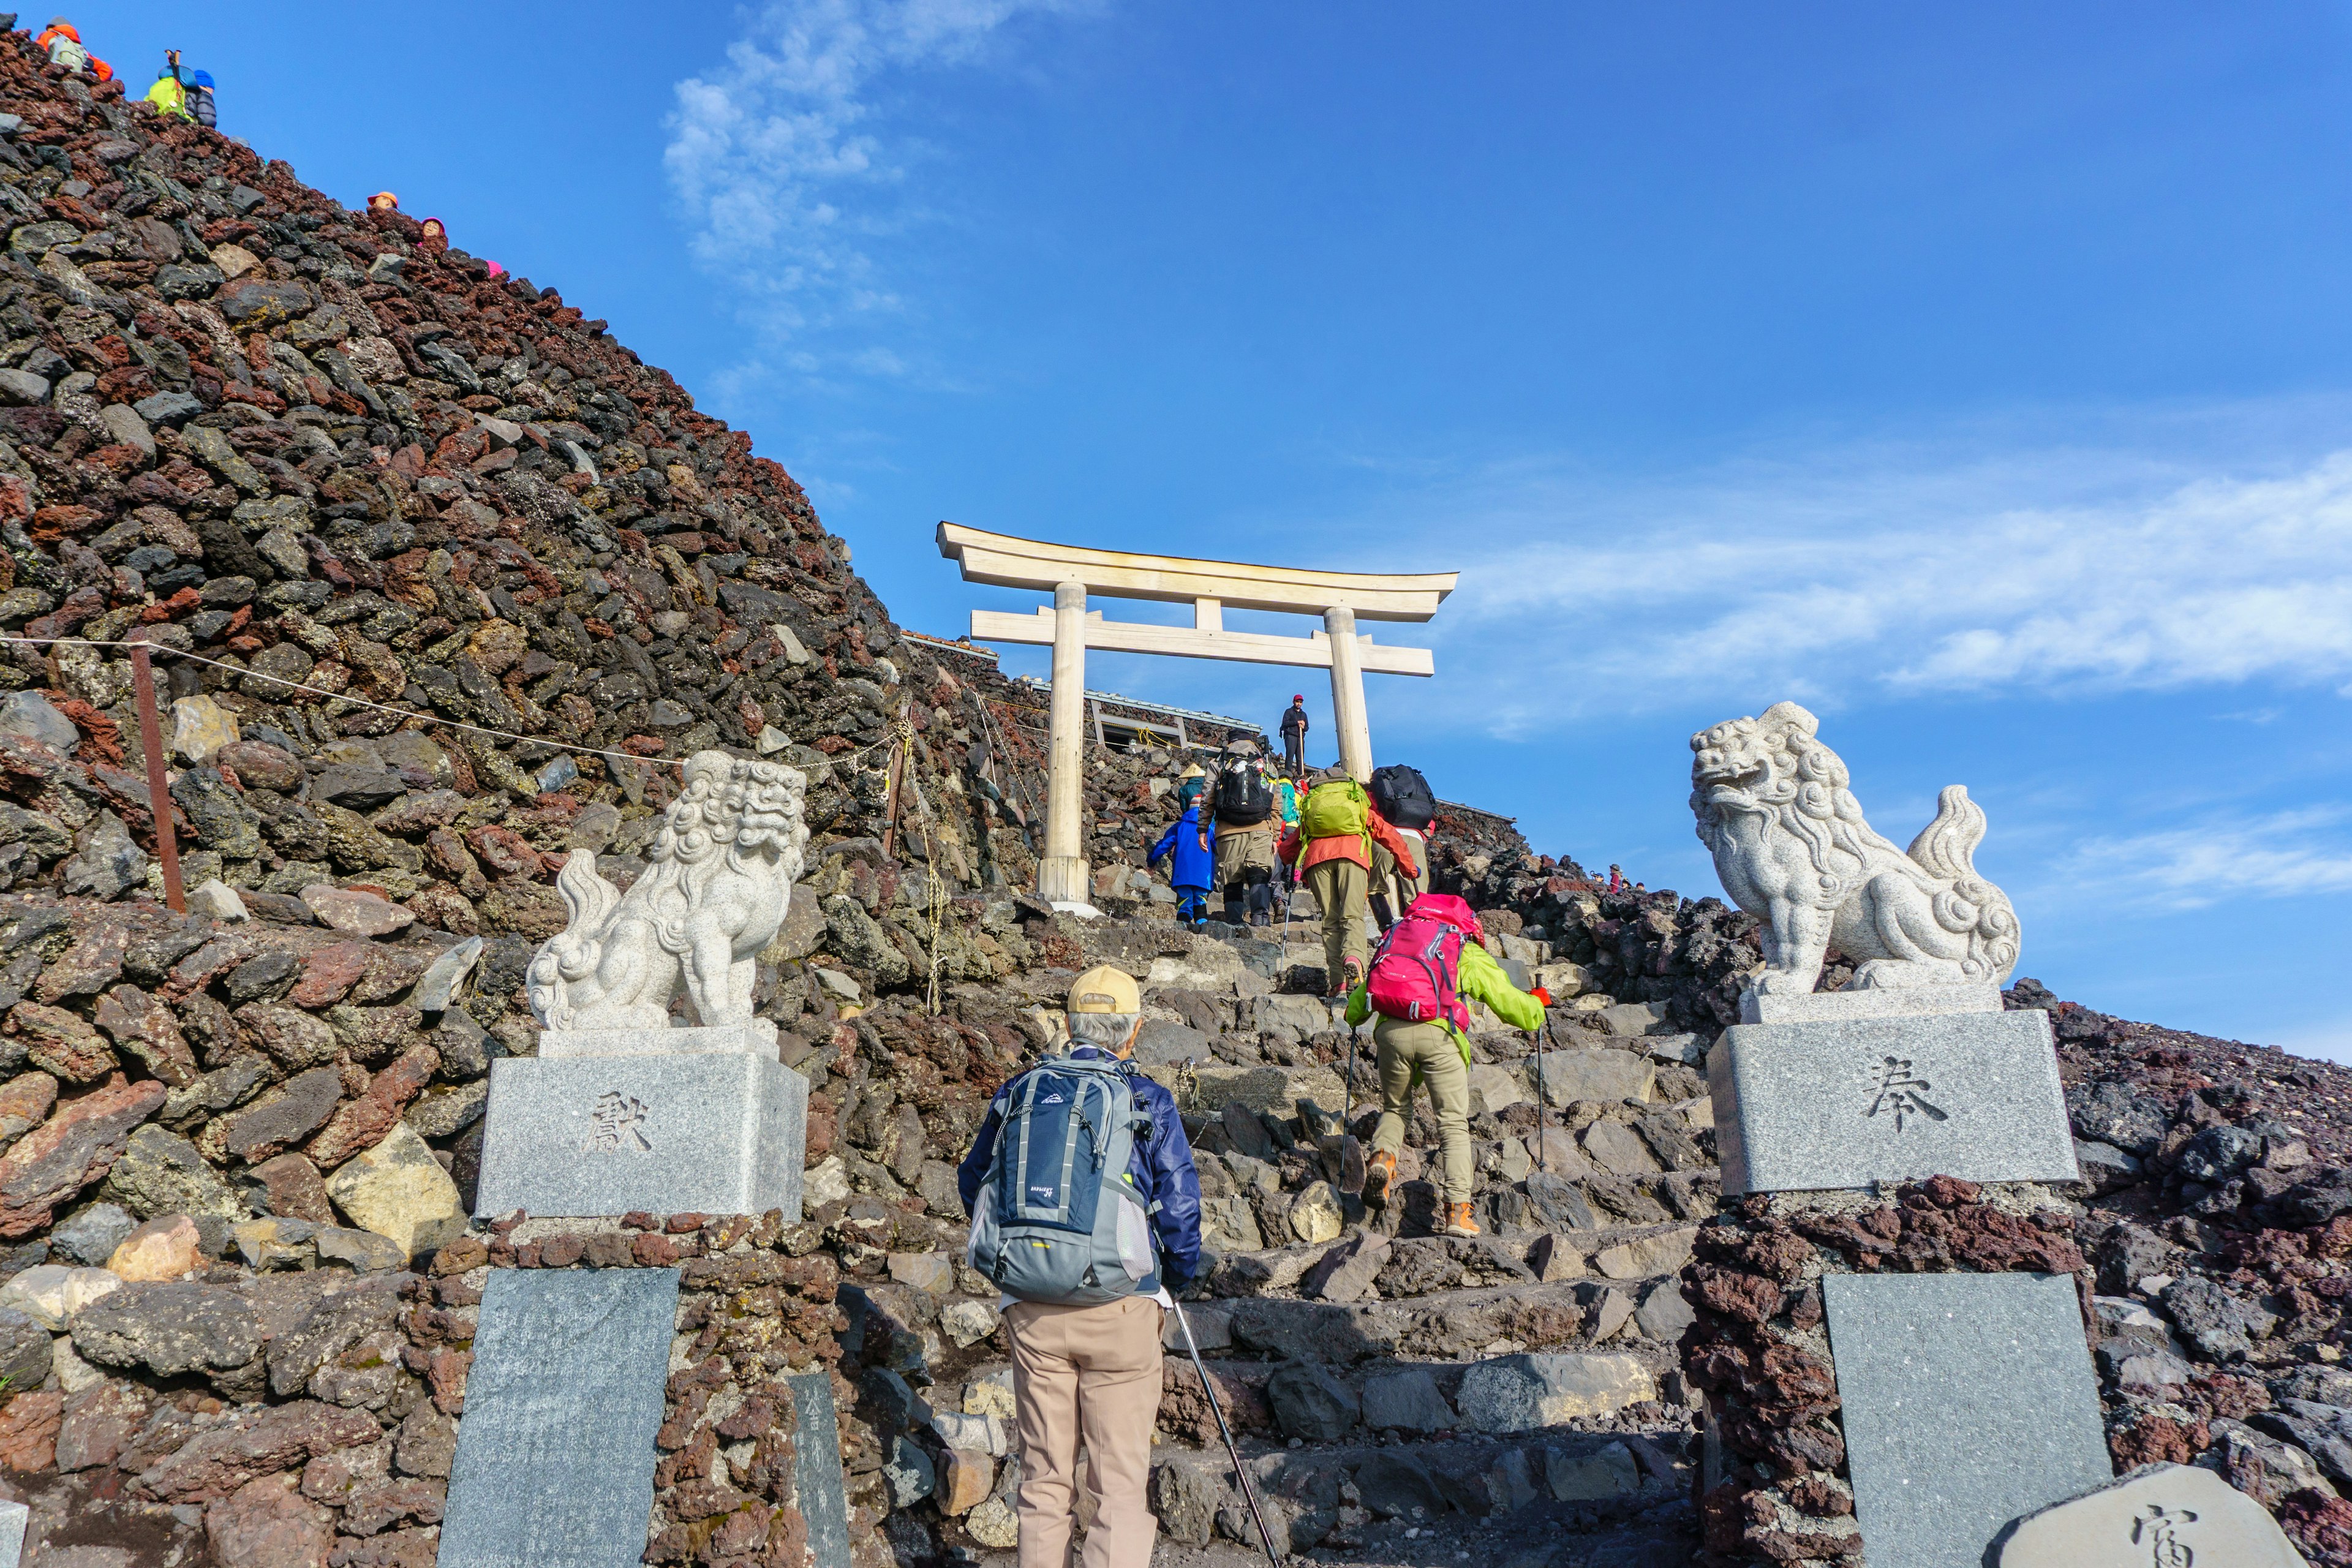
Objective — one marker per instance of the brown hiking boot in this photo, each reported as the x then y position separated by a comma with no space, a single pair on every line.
1458,1221
1351,975
1378,1171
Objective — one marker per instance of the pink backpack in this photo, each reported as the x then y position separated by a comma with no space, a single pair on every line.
1414,968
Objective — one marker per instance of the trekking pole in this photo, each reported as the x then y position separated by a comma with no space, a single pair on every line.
1241,1471
1540,1102
1347,1094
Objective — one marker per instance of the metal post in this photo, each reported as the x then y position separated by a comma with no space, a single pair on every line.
890,804
159,794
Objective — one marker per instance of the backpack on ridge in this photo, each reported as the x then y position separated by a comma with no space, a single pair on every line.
1402,797
1059,1218
1244,797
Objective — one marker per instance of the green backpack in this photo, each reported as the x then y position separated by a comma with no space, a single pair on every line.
1336,809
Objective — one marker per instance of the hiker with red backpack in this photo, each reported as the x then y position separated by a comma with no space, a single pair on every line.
1332,847
1428,962
1239,806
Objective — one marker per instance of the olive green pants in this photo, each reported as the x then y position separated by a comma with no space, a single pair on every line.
1426,1049
1337,886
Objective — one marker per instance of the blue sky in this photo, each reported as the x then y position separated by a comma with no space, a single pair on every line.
1980,378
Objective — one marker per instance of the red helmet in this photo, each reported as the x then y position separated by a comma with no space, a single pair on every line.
1298,697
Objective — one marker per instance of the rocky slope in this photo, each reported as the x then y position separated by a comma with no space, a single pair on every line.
237,1147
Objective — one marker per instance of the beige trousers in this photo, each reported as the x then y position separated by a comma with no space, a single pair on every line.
1400,889
1338,885
1090,1372
1404,1048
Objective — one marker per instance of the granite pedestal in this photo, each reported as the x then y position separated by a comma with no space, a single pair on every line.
1844,1104
554,1467
581,1130
1887,1002
1969,1401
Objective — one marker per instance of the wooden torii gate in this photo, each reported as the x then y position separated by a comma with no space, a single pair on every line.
1069,572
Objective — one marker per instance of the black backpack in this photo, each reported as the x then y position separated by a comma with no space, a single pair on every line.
1402,796
1244,797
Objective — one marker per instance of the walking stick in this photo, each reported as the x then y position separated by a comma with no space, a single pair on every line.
1241,1471
1540,1103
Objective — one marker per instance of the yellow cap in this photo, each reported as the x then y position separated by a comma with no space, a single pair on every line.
1103,989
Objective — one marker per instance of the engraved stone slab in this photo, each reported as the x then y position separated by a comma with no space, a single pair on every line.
1968,1400
717,1132
2160,1514
820,1494
755,1037
554,1466
1809,1107
1883,1002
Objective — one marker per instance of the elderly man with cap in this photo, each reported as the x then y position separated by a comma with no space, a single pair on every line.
1091,1371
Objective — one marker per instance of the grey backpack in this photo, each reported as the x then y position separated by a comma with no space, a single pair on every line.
1059,1218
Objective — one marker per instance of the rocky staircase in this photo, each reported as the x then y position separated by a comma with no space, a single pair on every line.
1402,1397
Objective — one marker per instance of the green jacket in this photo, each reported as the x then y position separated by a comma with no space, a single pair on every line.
1477,978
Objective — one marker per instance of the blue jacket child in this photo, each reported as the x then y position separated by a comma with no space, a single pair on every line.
1195,864
1161,1165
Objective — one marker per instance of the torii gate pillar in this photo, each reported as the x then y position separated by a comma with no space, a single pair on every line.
1341,598
1062,875
1348,714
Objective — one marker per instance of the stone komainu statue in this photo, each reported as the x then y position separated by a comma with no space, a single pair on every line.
720,882
1792,849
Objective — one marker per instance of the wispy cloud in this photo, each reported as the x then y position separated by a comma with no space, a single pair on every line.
2284,854
786,174
1852,575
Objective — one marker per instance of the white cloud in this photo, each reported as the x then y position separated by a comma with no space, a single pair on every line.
777,161
1881,574
2286,854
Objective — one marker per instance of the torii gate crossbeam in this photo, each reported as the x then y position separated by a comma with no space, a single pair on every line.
1071,572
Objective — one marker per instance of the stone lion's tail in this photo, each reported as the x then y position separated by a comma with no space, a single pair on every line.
590,900
1966,905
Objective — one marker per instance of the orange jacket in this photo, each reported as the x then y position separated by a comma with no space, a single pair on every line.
55,30
1347,846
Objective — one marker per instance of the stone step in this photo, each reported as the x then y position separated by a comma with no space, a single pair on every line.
1444,1325
1367,1265
1424,1501
1609,1387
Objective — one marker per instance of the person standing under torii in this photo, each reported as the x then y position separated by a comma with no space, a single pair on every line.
1294,736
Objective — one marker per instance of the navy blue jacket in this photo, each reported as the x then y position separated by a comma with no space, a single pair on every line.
1195,864
1161,1166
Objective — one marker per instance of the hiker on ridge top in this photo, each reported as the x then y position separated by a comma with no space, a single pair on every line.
1294,735
1084,1318
1241,798
1332,847
170,95
1428,962
62,43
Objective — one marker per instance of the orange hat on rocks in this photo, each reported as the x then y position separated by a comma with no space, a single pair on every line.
383,202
